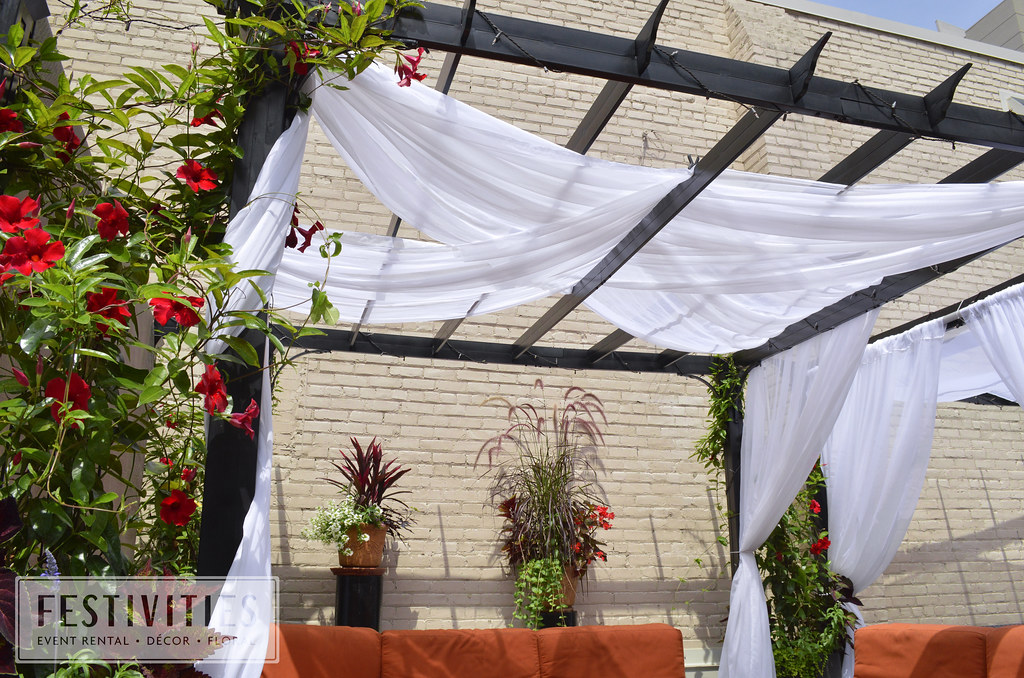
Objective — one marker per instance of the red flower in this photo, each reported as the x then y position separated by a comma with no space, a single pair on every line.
207,119
188,474
177,509
212,386
18,215
165,309
9,121
113,220
167,461
20,377
16,459
243,420
197,177
106,304
77,392
407,71
302,53
66,135
292,239
33,252
815,506
778,556
818,547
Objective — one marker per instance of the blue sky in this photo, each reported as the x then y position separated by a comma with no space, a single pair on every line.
962,13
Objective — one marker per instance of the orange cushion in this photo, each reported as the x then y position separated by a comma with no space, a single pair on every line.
644,651
919,651
323,651
459,653
1006,652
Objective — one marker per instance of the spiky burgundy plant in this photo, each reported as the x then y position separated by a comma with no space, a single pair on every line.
371,480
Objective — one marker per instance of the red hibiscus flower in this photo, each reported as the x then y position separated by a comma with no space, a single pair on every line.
165,309
197,177
407,71
113,220
177,509
18,215
106,304
814,506
207,119
212,386
188,474
818,547
66,135
243,420
33,252
76,392
9,121
167,461
302,52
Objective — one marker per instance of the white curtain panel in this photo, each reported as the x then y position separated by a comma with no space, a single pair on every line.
516,218
792,401
998,324
965,370
875,461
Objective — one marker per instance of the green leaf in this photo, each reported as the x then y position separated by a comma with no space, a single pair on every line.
215,33
36,333
243,348
74,256
152,394
23,55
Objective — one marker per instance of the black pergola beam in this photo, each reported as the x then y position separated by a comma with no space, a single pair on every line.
608,345
614,58
981,170
860,163
406,346
736,141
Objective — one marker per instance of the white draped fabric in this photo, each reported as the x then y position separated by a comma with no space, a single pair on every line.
998,324
518,218
792,401
875,461
965,369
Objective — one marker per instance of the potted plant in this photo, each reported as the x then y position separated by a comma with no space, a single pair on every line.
546,490
368,509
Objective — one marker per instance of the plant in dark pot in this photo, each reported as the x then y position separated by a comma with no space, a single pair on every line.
368,509
545,488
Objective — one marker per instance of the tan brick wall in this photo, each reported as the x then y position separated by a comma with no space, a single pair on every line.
963,557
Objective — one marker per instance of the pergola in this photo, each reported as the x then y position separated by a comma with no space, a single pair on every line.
769,94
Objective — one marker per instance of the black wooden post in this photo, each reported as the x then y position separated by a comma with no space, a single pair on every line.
733,439
230,454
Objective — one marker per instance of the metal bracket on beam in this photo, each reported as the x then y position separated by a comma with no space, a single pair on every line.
644,43
938,100
802,72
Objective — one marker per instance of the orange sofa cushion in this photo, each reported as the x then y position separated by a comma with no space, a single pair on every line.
643,651
1005,652
459,653
919,651
321,651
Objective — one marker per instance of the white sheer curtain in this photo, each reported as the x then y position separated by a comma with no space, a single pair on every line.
517,218
998,323
792,401
875,461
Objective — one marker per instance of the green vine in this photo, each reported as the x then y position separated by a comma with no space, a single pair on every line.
538,589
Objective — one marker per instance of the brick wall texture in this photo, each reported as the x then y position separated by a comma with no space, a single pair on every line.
963,557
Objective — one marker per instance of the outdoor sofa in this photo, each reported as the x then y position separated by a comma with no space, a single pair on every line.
642,651
938,651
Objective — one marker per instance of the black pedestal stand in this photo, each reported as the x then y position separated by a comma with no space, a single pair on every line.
357,596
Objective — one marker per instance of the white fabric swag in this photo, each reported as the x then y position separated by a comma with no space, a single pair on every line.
792,401
876,458
998,324
519,218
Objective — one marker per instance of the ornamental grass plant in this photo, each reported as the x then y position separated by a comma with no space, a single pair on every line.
545,487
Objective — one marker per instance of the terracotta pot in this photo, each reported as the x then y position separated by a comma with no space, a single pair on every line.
570,584
364,553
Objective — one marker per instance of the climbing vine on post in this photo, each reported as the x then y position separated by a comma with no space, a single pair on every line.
807,620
